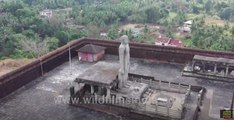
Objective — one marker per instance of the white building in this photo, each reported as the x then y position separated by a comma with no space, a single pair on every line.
185,29
46,13
103,34
188,23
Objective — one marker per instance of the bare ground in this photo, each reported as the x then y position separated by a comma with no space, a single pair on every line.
9,65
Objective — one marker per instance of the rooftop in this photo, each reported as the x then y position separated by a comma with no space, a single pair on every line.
103,73
90,48
188,22
40,98
169,41
214,59
175,42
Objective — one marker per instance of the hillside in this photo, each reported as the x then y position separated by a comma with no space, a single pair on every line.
31,28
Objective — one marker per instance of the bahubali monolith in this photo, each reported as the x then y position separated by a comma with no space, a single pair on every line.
124,60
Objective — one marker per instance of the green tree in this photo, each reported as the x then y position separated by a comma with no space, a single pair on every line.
34,46
113,33
180,18
208,5
226,13
195,9
152,14
52,43
232,30
63,37
169,32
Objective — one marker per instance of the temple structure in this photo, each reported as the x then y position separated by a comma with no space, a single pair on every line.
118,89
91,53
210,67
154,81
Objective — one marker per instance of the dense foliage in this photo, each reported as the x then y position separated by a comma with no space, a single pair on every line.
24,33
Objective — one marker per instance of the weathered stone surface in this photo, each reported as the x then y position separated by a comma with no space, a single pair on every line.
35,101
124,60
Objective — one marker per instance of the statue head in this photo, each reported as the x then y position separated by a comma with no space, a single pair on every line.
124,39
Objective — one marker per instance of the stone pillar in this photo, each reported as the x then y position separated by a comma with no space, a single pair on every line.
204,66
168,107
77,86
227,69
169,85
92,89
199,100
160,83
179,87
108,93
156,107
200,97
124,60
215,68
72,91
189,90
150,82
193,63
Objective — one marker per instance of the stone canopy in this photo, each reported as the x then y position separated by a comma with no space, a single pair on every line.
101,74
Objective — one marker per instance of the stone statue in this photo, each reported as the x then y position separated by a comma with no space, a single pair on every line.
124,60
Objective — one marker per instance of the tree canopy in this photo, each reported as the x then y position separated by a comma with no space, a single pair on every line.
21,22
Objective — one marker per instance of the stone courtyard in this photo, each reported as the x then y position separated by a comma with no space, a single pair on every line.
37,100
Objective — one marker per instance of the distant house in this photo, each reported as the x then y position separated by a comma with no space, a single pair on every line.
185,29
162,41
103,34
46,13
165,41
91,53
188,23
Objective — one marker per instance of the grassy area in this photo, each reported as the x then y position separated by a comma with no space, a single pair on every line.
191,16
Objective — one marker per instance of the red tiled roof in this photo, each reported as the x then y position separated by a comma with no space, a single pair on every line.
175,42
163,39
90,48
169,41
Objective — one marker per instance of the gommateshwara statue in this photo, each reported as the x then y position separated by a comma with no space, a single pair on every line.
124,61
138,96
